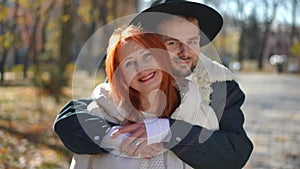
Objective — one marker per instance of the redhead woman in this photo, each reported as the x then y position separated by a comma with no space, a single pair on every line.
142,88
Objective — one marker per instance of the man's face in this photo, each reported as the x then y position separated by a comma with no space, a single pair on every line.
182,39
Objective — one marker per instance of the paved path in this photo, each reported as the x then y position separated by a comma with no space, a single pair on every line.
272,112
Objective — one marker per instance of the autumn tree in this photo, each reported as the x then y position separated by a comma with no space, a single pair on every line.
8,33
270,9
3,37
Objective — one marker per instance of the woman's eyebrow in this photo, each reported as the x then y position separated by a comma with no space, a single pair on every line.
127,58
143,51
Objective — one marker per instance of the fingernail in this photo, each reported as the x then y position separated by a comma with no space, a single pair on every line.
114,133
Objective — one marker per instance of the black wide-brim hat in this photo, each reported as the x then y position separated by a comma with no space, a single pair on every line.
210,21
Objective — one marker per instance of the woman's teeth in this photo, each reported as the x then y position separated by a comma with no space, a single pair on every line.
147,77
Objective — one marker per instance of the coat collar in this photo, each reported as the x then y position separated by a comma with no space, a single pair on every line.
207,72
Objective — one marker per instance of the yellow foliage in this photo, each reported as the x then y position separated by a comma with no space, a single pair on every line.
6,44
1,40
295,49
65,18
83,11
110,18
25,4
228,43
4,12
6,40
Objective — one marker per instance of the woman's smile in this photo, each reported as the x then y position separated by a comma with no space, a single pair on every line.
147,77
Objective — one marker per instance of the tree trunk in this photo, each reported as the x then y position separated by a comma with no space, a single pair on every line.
2,65
103,12
268,22
64,57
44,24
261,56
294,15
66,36
5,51
32,47
242,48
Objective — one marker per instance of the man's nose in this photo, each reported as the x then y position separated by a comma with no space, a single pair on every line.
184,51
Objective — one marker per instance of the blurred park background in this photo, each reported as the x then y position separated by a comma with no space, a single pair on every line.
40,41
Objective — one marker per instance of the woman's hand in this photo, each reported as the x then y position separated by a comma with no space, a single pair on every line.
136,141
151,150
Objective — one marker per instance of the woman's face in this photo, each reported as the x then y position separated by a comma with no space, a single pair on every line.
139,67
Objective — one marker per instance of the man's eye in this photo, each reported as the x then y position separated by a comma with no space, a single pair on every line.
172,43
194,42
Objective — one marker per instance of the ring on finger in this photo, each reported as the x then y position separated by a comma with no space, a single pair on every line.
137,143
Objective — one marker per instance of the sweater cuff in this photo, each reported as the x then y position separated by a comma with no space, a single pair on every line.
158,130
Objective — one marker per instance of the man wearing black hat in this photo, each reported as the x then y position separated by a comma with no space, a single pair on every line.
229,147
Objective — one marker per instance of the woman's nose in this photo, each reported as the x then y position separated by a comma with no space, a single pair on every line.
139,65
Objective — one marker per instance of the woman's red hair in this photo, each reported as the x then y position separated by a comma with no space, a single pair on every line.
119,89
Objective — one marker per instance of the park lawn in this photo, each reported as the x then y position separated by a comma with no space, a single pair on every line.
27,139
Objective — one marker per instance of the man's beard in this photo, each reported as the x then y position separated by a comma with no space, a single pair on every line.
183,72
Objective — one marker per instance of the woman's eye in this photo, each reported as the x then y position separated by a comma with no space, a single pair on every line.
129,63
147,55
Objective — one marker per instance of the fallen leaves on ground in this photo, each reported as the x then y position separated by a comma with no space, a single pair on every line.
26,136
